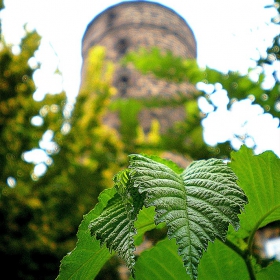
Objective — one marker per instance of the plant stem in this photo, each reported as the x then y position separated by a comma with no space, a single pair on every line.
257,226
231,245
245,255
249,266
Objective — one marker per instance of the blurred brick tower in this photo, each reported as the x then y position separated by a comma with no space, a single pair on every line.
126,27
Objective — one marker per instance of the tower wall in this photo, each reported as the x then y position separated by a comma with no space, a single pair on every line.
128,26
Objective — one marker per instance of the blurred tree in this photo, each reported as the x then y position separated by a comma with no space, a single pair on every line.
273,52
25,235
187,137
1,7
40,213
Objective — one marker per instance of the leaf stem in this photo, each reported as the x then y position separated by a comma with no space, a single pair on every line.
231,245
256,227
245,255
249,265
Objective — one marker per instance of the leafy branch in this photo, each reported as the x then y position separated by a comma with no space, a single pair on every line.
197,206
171,68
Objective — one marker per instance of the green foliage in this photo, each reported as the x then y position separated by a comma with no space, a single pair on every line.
85,261
128,110
219,262
271,272
1,6
172,270
40,216
273,52
171,68
259,177
115,225
91,257
17,108
184,137
30,237
100,148
36,231
196,204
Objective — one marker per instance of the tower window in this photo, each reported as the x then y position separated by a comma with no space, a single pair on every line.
111,18
123,83
124,79
122,46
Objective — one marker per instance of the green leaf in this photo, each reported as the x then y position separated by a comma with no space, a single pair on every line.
115,225
176,69
166,263
259,177
169,163
197,205
272,272
219,262
86,260
144,223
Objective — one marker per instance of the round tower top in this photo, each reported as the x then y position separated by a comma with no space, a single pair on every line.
138,14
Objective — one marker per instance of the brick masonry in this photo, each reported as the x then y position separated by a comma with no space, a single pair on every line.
128,26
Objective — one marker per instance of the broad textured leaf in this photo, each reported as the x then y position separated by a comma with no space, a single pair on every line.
169,163
197,205
259,177
115,226
86,260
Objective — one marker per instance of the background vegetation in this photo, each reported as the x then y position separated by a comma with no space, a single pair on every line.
40,214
